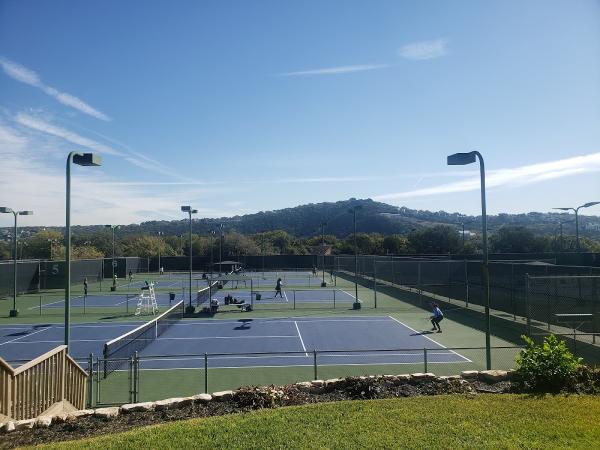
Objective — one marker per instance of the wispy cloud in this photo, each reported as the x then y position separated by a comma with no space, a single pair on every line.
520,176
335,70
30,179
131,156
45,127
424,49
24,75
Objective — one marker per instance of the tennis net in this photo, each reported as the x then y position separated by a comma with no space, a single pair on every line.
118,351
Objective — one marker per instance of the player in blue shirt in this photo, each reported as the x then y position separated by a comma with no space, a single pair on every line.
437,317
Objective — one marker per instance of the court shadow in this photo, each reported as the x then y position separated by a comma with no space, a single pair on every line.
421,333
18,333
245,324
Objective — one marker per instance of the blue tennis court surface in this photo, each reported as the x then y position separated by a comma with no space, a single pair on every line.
287,296
377,338
110,301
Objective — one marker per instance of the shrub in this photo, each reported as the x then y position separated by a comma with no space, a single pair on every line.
549,366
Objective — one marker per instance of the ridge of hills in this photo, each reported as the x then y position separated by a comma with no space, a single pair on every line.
372,217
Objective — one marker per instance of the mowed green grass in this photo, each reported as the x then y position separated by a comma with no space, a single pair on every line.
485,421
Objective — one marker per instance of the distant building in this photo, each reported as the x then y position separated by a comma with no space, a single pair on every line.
321,249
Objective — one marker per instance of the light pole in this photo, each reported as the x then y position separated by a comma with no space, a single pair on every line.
356,304
220,248
190,211
51,241
461,159
113,228
81,159
159,233
576,210
13,312
560,226
212,244
323,224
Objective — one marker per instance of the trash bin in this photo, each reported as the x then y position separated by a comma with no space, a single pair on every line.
257,296
113,288
171,297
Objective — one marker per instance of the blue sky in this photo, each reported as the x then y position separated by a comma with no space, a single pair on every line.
236,107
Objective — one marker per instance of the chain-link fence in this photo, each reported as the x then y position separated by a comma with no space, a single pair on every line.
150,378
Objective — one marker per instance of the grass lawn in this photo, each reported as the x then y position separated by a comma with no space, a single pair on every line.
485,421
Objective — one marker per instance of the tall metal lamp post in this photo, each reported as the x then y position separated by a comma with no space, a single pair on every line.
159,233
323,224
113,228
356,304
212,244
576,210
81,159
190,211
461,159
220,248
14,312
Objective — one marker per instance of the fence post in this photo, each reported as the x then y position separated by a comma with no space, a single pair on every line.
375,282
98,379
130,379
466,283
333,298
512,290
41,305
315,363
425,359
136,377
294,291
594,309
205,373
419,284
90,398
527,305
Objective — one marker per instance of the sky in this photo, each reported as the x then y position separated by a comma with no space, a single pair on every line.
235,107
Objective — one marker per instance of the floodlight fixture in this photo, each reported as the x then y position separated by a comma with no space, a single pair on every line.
462,159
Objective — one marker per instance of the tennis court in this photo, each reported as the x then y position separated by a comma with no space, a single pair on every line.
108,301
348,339
287,296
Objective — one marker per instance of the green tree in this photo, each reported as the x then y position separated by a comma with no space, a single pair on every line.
38,245
517,239
5,250
145,246
395,244
435,240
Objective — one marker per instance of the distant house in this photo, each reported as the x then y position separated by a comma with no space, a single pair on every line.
321,249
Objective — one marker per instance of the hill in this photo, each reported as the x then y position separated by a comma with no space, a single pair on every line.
372,217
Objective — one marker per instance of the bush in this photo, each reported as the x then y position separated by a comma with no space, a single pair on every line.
549,366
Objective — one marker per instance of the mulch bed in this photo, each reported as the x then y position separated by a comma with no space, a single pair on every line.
248,399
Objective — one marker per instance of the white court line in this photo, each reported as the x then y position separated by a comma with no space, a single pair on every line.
24,336
221,322
346,292
427,337
286,299
300,336
293,336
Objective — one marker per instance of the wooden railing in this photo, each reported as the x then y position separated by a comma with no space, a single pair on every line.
31,389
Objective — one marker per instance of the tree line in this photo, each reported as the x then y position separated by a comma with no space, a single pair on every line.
436,239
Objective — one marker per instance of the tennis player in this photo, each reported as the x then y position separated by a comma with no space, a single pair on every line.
437,317
278,288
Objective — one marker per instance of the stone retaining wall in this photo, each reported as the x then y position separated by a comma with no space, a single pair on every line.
486,376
